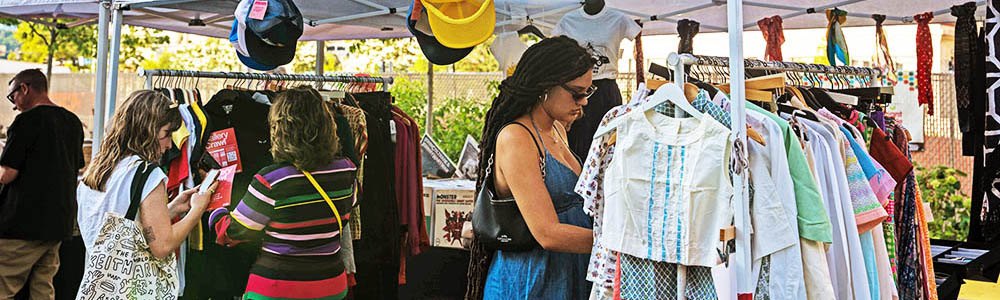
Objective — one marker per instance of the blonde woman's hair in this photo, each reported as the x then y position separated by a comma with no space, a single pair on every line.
303,132
134,130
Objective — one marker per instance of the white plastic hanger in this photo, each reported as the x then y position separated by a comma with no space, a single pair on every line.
672,92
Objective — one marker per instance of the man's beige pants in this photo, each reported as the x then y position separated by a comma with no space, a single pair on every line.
31,262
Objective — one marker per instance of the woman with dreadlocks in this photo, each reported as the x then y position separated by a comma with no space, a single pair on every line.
533,163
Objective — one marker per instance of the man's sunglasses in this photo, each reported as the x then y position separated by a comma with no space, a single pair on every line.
10,96
578,95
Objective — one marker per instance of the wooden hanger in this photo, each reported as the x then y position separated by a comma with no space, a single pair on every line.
757,87
769,82
751,94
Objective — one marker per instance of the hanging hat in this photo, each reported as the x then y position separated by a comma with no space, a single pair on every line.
271,37
241,50
461,23
434,51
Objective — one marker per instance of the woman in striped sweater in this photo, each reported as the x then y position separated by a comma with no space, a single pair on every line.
299,227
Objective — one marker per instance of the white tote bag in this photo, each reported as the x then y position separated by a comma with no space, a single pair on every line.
120,264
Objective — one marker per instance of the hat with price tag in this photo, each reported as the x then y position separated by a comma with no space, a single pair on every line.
268,30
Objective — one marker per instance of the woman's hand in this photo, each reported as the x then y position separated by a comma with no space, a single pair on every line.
200,201
181,204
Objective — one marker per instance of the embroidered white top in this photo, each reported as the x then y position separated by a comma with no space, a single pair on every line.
668,189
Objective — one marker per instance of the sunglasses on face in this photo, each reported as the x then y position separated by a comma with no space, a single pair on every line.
10,96
580,95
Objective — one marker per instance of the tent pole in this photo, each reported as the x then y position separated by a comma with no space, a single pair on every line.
320,61
429,120
116,45
741,261
102,74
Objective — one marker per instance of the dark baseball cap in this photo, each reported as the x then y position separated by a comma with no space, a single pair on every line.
240,53
271,40
434,51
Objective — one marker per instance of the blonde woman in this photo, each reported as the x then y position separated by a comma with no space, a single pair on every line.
297,206
138,136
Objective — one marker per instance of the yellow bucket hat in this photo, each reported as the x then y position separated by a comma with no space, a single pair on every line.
461,23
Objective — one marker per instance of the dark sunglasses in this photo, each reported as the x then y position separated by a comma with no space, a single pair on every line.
578,95
10,96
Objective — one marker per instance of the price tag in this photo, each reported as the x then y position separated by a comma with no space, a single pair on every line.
258,10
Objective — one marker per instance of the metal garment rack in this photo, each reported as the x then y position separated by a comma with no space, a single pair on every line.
150,74
782,66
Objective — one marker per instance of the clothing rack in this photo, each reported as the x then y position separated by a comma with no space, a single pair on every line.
150,74
782,66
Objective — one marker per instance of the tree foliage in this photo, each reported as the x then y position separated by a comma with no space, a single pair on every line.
196,53
73,46
454,118
305,59
941,188
76,47
405,55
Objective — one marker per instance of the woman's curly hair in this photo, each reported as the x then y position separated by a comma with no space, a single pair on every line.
303,132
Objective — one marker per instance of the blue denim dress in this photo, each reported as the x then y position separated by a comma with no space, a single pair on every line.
542,274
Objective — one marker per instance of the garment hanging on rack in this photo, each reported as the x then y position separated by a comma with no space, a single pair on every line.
925,60
774,34
985,200
686,30
409,186
377,253
836,44
602,34
966,50
773,212
507,48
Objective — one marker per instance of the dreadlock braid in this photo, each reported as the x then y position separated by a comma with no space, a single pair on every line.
546,64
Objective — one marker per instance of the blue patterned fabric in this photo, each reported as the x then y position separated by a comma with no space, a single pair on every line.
542,274
702,103
647,279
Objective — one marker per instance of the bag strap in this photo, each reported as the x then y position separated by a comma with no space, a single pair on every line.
138,183
325,197
541,156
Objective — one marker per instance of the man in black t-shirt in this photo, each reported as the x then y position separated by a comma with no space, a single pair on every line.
38,171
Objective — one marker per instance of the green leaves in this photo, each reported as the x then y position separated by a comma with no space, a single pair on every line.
941,188
453,119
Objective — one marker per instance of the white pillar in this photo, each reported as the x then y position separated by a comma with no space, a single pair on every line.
116,44
100,88
741,261
320,60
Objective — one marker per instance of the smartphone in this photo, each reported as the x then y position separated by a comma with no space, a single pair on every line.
209,180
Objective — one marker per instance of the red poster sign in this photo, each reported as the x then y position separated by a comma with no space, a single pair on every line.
222,147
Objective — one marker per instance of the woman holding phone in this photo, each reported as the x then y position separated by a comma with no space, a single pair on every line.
138,137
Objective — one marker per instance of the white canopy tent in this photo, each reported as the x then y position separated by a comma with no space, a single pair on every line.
357,19
363,19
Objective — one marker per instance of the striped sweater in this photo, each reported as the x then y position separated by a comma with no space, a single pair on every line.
299,232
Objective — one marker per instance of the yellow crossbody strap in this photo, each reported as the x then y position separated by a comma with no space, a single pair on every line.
325,197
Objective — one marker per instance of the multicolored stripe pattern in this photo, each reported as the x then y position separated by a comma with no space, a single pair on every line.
299,232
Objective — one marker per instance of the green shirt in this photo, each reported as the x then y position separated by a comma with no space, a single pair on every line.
814,223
